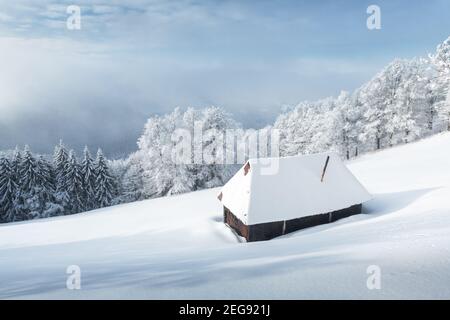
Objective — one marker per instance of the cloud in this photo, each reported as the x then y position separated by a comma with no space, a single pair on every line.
133,59
5,18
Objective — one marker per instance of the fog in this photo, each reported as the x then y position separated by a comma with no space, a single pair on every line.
130,60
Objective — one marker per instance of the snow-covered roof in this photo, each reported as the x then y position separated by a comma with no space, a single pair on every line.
277,189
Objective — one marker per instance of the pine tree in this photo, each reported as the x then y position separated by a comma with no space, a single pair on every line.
29,175
88,176
29,178
46,180
16,165
37,187
60,159
42,203
8,191
73,184
16,162
105,187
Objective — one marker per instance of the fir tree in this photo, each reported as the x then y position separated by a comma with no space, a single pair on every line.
37,187
88,176
60,159
73,184
16,162
8,191
29,175
29,179
41,200
105,187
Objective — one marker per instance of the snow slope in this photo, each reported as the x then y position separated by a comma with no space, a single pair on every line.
177,247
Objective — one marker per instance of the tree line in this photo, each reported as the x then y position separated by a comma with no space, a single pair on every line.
34,187
406,101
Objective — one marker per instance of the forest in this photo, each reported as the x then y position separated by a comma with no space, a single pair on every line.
406,101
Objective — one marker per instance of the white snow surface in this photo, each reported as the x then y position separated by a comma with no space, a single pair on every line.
177,247
277,189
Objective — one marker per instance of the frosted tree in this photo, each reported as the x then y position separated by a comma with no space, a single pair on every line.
8,191
213,172
413,109
60,164
132,181
88,177
42,203
202,167
309,128
36,194
47,176
60,159
441,61
294,126
29,174
379,98
417,99
346,125
73,184
324,127
155,147
127,173
105,186
16,162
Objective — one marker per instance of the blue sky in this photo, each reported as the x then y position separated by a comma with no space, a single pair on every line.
132,59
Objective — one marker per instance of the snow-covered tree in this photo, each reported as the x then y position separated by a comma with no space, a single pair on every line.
29,174
441,61
73,185
346,126
294,129
37,187
47,175
201,132
8,191
130,175
308,128
60,164
88,176
105,186
42,203
16,162
378,98
60,159
213,171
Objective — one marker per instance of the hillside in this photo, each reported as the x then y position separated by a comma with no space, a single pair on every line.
177,247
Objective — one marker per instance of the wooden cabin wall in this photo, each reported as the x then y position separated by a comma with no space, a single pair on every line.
270,230
234,222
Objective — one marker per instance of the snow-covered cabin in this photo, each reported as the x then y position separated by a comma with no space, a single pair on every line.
270,197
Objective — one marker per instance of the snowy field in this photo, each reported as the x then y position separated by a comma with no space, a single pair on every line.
178,247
